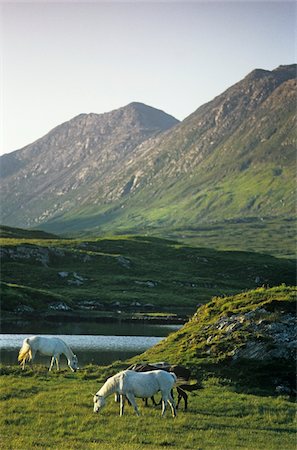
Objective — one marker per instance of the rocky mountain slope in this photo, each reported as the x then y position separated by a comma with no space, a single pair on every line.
73,163
232,159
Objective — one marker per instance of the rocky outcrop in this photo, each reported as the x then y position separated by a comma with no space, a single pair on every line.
41,255
267,335
249,338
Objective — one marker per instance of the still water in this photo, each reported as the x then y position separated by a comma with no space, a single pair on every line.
97,344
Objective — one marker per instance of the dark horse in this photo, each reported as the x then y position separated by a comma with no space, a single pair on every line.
182,373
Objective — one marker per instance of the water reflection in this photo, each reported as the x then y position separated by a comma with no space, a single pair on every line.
89,328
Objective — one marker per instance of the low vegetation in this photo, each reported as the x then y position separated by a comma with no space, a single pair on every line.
146,274
49,410
261,235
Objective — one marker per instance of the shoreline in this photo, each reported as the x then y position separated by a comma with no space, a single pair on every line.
158,318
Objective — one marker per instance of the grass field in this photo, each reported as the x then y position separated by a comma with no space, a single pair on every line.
55,411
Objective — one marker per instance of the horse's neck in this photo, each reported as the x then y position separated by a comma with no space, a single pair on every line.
108,388
67,351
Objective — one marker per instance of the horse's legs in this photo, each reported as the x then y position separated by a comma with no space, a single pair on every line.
172,404
131,399
32,354
58,361
52,363
168,398
122,404
164,403
184,395
186,402
152,399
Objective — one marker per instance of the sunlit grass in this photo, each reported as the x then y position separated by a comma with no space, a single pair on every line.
55,411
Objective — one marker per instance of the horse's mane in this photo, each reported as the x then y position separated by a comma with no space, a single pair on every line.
110,385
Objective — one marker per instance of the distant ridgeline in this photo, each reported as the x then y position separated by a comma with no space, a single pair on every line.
137,169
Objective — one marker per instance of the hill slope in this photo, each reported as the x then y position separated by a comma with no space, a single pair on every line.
233,158
124,273
73,163
250,338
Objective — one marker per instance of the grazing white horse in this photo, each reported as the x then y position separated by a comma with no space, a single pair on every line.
129,384
52,346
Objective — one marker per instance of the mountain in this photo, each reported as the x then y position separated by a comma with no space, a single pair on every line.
74,162
232,160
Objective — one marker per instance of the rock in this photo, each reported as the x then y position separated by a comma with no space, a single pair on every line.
63,274
78,277
281,389
90,305
24,309
135,304
124,262
59,306
116,304
148,305
150,284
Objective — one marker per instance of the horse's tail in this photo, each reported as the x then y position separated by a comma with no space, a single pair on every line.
178,380
25,353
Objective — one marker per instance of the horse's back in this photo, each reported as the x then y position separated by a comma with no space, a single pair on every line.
46,345
146,384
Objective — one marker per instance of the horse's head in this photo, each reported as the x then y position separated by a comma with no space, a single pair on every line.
73,363
99,402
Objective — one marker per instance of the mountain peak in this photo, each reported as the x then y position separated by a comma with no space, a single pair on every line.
282,73
149,117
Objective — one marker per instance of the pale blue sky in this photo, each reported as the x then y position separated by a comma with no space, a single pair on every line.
63,59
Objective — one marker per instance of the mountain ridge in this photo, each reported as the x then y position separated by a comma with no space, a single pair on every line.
73,151
233,157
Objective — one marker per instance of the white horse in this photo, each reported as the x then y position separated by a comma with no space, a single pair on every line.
52,346
129,384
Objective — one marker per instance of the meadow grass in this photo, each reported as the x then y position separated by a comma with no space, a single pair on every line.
129,269
55,411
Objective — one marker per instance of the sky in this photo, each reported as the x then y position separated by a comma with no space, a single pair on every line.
59,60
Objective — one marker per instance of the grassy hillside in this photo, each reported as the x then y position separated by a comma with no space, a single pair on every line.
20,233
271,236
245,338
140,272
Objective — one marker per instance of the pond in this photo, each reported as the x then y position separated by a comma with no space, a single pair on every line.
103,344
